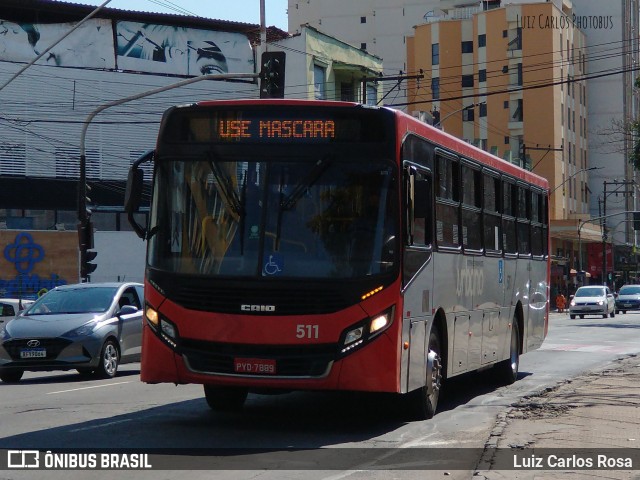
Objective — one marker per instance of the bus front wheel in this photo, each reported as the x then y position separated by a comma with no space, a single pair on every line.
225,399
424,401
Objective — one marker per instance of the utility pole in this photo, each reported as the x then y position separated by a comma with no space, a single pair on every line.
626,191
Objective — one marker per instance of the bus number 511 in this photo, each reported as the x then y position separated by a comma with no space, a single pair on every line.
307,331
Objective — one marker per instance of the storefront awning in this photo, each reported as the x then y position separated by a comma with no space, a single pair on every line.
576,230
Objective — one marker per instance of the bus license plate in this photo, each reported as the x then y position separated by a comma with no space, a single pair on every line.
255,366
33,353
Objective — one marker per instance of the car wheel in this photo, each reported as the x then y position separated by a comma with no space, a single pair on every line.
12,376
424,401
225,399
572,317
581,316
109,359
604,315
624,311
506,372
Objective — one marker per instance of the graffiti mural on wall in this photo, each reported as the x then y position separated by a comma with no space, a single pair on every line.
91,46
140,47
180,50
24,253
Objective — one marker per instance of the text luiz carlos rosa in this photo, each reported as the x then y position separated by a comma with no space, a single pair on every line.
571,461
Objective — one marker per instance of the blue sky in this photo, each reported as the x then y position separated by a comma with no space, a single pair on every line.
247,11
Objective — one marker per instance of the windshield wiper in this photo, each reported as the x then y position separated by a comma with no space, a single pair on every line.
288,202
299,190
225,189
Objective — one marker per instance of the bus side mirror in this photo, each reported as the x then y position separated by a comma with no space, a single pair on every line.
133,192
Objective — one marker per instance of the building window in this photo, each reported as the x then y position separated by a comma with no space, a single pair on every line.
482,40
505,104
517,115
435,88
347,92
483,109
319,82
482,75
507,140
505,33
363,46
468,114
467,47
435,54
467,81
363,19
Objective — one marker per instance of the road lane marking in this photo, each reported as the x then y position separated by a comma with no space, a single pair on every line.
100,426
87,388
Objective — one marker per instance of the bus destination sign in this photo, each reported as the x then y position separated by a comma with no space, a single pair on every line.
276,129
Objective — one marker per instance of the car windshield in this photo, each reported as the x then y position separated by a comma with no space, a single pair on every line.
325,218
634,290
590,292
75,300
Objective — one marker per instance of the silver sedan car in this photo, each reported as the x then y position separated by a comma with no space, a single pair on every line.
90,327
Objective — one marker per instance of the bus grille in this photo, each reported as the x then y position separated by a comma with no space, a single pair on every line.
290,301
291,361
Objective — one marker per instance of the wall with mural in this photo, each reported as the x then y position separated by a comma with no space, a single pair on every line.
138,47
36,260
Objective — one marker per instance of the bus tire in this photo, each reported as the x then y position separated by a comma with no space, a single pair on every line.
424,401
225,399
507,370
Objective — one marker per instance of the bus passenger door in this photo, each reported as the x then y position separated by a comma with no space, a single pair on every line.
417,274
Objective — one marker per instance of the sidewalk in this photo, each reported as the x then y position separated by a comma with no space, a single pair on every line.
598,410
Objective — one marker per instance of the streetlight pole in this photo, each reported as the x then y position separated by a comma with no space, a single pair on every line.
84,215
441,121
591,220
617,184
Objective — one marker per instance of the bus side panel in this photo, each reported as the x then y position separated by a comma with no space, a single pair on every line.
453,295
537,306
489,298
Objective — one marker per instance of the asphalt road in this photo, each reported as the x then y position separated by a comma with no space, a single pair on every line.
52,410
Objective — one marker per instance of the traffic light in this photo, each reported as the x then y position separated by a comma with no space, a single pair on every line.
87,254
272,75
86,265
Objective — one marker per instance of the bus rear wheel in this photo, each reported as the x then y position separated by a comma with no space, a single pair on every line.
424,401
225,399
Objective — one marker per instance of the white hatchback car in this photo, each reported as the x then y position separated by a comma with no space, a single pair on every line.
592,300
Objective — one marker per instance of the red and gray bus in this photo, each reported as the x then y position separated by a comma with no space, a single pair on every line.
319,245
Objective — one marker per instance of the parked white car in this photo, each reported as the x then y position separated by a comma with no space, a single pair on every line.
592,300
10,307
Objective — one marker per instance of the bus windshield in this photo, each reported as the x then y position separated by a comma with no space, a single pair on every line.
323,218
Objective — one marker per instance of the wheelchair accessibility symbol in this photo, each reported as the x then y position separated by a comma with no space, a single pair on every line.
274,265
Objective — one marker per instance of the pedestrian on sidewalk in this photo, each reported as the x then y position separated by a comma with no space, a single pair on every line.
561,302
